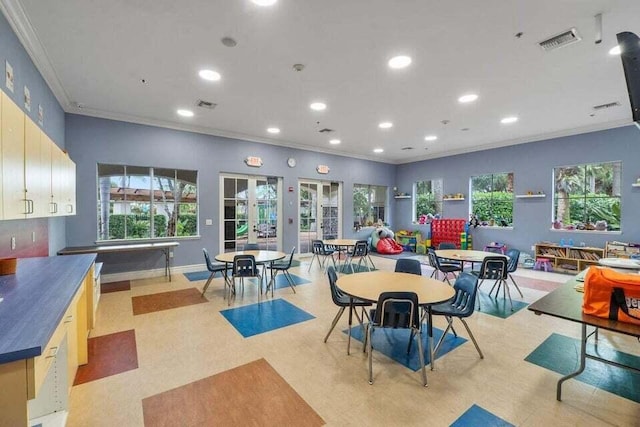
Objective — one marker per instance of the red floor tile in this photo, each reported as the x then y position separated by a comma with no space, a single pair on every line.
109,355
124,285
166,300
249,395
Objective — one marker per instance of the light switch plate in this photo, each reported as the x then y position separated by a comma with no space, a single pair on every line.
208,222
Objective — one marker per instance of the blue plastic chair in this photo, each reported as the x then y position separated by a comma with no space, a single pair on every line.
214,268
444,268
406,265
461,306
396,310
284,268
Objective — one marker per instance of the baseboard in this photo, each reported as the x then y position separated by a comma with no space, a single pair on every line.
149,274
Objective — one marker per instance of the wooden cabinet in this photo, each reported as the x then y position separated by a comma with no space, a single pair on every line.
37,171
569,259
38,179
14,205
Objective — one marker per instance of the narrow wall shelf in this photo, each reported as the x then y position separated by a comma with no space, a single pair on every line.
401,197
637,184
530,196
453,199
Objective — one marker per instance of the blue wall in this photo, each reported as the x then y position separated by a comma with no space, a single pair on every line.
25,73
91,141
532,165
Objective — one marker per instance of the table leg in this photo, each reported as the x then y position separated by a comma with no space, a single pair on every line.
350,322
583,357
430,336
167,263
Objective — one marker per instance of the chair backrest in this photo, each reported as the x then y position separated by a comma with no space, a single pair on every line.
361,248
251,247
317,247
494,267
207,259
433,258
293,251
244,266
464,301
447,245
397,310
513,255
336,293
406,265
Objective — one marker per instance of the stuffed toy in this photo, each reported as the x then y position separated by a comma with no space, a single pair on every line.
473,221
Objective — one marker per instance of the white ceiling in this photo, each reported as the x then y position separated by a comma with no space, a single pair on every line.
94,53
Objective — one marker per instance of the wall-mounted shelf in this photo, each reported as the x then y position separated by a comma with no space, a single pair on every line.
402,197
453,199
636,184
530,196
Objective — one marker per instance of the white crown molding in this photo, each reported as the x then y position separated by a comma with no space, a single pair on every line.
110,115
15,14
535,138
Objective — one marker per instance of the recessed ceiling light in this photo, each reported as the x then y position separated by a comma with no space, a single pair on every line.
470,97
385,125
398,62
430,138
273,130
265,2
210,75
185,113
335,141
378,150
508,120
318,106
616,50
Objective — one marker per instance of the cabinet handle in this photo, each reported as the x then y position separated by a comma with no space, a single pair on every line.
26,207
53,352
70,208
68,319
31,210
52,209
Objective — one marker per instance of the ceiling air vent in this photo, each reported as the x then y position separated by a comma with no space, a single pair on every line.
605,106
206,104
561,40
325,130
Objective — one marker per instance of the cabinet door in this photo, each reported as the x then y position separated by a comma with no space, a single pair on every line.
13,198
58,179
71,187
37,170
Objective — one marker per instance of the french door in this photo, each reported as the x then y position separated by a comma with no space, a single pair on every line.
319,206
250,207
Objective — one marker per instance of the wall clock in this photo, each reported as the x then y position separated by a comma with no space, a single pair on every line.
291,162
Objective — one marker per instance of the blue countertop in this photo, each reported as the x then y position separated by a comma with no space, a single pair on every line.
34,301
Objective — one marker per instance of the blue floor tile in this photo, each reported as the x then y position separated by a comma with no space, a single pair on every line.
498,307
199,275
393,343
281,281
265,316
560,354
477,416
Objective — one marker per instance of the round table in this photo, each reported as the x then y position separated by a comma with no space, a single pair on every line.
466,255
369,285
620,263
341,245
260,256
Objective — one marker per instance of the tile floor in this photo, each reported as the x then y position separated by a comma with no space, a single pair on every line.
187,345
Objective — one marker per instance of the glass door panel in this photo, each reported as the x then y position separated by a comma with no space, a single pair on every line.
319,212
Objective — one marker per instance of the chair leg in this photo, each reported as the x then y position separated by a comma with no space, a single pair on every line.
206,285
369,330
292,282
516,285
441,340
311,263
335,321
472,338
506,287
421,356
